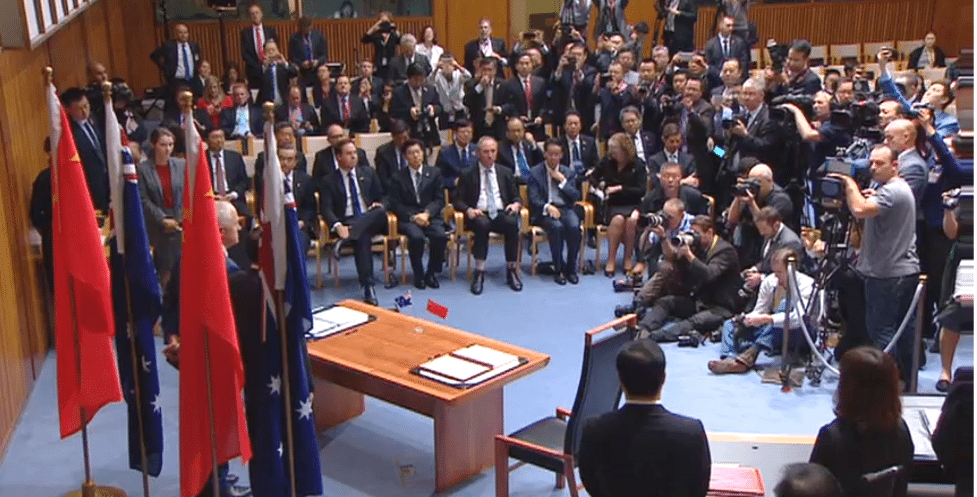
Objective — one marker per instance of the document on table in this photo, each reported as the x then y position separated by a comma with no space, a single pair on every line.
484,355
332,320
930,418
454,368
468,366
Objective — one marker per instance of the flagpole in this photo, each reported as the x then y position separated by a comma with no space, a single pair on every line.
215,485
269,114
137,387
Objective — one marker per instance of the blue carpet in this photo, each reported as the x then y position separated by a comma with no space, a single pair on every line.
389,451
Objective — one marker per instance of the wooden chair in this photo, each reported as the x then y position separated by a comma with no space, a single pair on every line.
552,443
461,232
756,58
712,205
249,161
905,47
589,222
870,50
255,146
841,53
454,248
313,144
234,146
933,75
370,142
819,56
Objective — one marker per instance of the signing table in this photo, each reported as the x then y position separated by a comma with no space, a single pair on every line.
376,358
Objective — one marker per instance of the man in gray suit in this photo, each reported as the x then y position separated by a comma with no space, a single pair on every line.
161,191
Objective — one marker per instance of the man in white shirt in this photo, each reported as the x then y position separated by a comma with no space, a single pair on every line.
449,81
762,329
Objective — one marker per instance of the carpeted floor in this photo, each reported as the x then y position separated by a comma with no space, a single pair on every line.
389,451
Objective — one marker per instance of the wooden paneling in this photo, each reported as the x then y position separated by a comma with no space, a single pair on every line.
953,23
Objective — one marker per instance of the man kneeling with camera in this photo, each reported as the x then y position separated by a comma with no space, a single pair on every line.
707,265
761,330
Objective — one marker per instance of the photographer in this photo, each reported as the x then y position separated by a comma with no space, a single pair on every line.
761,330
572,83
756,134
937,97
823,137
611,100
664,224
751,195
575,14
796,78
385,39
958,281
705,263
888,260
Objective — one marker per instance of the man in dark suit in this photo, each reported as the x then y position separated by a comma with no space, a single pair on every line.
303,190
696,121
672,152
797,77
776,235
642,448
284,137
390,158
385,39
417,197
326,161
645,144
407,57
308,49
759,136
486,47
228,174
610,17
530,107
680,25
724,46
301,116
573,85
417,104
580,151
90,142
552,194
516,152
366,71
484,97
489,198
178,58
666,185
253,39
355,209
345,109
243,119
453,160
276,76
611,100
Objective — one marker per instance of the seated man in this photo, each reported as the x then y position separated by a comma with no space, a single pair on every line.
758,191
417,197
762,330
672,152
552,193
708,265
776,235
808,479
516,152
230,178
243,119
642,448
389,157
300,115
488,196
354,209
326,160
668,184
460,156
300,185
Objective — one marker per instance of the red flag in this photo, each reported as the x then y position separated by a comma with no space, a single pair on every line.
437,309
81,269
205,307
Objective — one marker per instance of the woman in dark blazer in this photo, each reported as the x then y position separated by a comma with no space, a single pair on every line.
934,57
624,182
868,433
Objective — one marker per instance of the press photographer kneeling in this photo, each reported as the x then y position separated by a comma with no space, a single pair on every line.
707,266
888,259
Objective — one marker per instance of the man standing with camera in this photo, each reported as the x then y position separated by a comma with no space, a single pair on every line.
796,78
755,134
888,259
752,195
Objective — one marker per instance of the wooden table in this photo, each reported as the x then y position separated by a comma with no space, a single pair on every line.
375,359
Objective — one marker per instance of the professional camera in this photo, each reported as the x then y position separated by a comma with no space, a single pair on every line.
656,219
690,238
386,27
803,102
122,92
748,186
693,339
629,283
778,55
960,197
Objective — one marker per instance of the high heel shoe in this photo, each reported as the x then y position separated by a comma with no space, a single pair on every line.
609,272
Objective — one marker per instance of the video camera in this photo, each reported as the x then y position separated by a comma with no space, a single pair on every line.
688,238
386,27
801,101
778,55
750,185
829,192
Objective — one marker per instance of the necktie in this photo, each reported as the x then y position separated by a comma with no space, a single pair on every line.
489,93
308,47
90,131
274,82
523,164
354,194
259,38
345,108
464,157
575,153
221,177
417,184
400,159
529,98
725,48
296,117
684,124
490,194
187,70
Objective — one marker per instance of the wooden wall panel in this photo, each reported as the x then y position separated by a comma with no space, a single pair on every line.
953,23
463,17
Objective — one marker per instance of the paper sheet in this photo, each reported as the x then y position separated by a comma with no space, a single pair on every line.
454,368
334,320
485,355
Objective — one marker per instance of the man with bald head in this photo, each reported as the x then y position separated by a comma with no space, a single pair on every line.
900,137
746,208
326,161
178,58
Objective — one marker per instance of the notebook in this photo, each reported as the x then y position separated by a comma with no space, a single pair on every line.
735,481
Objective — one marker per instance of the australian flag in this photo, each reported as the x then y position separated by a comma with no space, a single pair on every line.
269,466
143,301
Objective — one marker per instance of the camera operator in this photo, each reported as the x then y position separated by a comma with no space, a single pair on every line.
706,264
823,137
671,221
751,195
668,187
887,260
937,97
385,39
761,330
575,14
958,280
796,77
756,134
611,100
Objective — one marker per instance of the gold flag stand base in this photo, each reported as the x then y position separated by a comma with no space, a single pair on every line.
90,489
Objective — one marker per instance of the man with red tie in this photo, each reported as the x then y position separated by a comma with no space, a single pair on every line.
346,109
528,97
253,39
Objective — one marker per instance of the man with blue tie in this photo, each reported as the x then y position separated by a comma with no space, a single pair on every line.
457,158
178,59
308,49
516,152
90,143
552,194
389,158
355,209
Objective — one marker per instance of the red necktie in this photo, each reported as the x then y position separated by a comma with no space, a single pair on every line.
259,37
346,108
529,95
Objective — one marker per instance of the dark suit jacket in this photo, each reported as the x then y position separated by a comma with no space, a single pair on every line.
608,20
325,163
475,102
401,103
333,199
93,161
403,200
850,453
654,200
953,436
588,154
918,52
717,276
473,52
516,99
166,58
252,65
386,164
359,118
451,164
228,121
298,53
284,72
738,49
648,143
259,169
656,162
397,72
508,159
580,95
764,142
684,34
382,51
236,176
308,115
610,109
470,186
785,239
303,188
538,185
644,450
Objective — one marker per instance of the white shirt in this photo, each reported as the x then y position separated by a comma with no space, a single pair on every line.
433,54
214,156
671,156
766,244
183,59
347,177
451,93
483,193
639,147
765,303
487,47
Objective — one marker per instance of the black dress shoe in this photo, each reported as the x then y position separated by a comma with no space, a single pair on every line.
573,278
478,281
419,282
432,280
370,295
560,279
512,279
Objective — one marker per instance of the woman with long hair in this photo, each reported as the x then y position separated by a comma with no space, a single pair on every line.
232,75
323,89
427,45
868,433
624,182
214,100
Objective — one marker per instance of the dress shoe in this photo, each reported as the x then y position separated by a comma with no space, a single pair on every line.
239,491
370,295
512,279
432,280
560,279
419,282
572,278
478,281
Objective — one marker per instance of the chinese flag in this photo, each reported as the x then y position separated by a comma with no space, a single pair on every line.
82,291
437,309
206,315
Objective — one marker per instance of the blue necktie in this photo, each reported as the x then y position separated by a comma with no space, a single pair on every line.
354,192
90,131
274,82
308,47
523,165
186,61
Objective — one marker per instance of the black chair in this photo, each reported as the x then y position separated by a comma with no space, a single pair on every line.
551,443
881,483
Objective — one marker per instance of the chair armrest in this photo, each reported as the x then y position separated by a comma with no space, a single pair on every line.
460,222
524,226
588,213
563,413
509,441
391,225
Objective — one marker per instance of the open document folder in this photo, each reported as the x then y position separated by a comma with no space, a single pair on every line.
331,320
